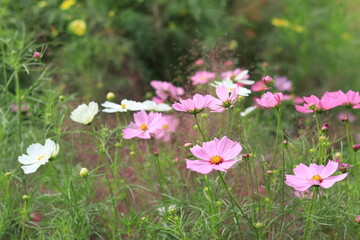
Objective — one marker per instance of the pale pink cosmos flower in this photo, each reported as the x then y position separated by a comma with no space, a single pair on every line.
346,116
164,90
314,175
193,105
214,155
224,100
241,77
282,84
313,103
270,100
259,86
349,99
168,126
231,74
144,126
202,77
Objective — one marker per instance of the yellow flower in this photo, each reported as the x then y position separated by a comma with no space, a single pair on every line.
78,27
280,22
65,5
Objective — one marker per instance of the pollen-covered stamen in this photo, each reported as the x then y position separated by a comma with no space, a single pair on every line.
41,157
216,159
317,178
123,106
143,127
165,127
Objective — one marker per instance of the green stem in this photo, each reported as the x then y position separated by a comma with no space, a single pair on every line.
233,203
24,215
310,210
277,137
5,206
18,102
201,132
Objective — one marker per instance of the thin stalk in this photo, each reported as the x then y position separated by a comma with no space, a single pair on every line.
18,103
24,215
198,125
252,190
276,138
233,203
311,207
5,205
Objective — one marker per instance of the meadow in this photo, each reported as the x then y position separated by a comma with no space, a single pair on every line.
179,120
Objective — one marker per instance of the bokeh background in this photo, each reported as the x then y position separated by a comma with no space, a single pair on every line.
98,46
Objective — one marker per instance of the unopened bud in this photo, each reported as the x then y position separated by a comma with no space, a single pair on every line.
219,203
356,147
187,145
35,217
246,156
156,152
325,127
286,143
25,197
8,174
37,55
84,172
337,155
344,167
132,153
61,98
357,219
267,80
258,225
110,96
270,172
204,115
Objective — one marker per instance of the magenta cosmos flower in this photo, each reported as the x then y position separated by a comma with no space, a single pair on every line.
214,155
164,90
313,103
202,77
315,175
193,105
224,100
144,126
270,100
349,99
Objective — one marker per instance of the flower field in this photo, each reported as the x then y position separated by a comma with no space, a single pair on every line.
179,120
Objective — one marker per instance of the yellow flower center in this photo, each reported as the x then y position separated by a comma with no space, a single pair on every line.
317,178
123,105
41,157
143,127
165,127
230,89
216,159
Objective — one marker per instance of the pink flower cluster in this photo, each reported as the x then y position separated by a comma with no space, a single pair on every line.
150,125
165,90
330,100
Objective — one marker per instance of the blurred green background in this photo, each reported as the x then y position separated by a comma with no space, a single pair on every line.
98,46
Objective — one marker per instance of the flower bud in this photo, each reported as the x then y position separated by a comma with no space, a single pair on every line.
84,172
204,115
156,152
356,147
246,156
132,153
337,155
8,174
110,96
199,62
357,219
344,167
219,203
37,55
25,197
269,172
258,225
61,98
286,143
267,80
35,217
325,127
187,145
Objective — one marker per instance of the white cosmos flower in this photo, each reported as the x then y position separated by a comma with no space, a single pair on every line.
38,155
163,210
247,111
153,106
230,86
85,114
125,105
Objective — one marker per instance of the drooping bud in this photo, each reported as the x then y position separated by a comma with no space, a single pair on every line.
110,96
84,172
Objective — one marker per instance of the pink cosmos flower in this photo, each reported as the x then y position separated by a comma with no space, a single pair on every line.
241,77
315,175
224,100
144,126
282,84
164,90
214,155
349,99
202,77
313,103
169,125
193,105
345,116
270,100
259,86
231,74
